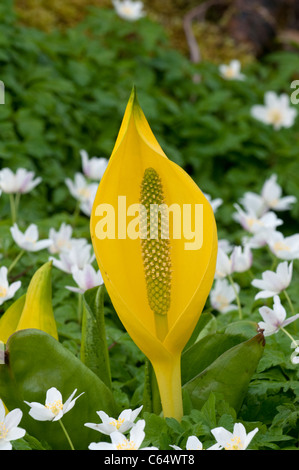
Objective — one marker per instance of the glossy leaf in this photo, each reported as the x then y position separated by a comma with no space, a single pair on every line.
37,362
228,376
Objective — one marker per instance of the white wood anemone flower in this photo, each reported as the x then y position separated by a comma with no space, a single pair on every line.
241,258
254,224
237,440
276,111
270,199
54,408
9,430
222,296
285,248
274,319
232,71
215,203
123,423
78,256
7,291
61,238
20,182
28,240
80,188
272,195
273,283
224,266
94,167
120,442
129,10
85,278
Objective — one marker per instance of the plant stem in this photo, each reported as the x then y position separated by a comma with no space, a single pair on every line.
66,435
13,208
291,307
237,296
289,302
80,305
290,336
17,202
76,213
15,261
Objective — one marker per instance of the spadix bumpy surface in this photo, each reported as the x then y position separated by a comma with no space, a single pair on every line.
158,274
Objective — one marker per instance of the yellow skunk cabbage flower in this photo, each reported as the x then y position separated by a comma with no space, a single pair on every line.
155,241
32,310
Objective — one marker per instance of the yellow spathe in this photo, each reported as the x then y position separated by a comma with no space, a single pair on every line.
161,337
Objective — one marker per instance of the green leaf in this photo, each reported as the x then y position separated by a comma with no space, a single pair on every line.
37,362
151,396
94,351
228,376
245,328
206,324
204,352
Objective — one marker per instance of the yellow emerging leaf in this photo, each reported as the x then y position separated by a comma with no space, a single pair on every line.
10,319
38,311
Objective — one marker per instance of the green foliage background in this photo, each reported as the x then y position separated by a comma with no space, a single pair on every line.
67,90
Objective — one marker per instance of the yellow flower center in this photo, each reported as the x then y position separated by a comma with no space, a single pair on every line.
273,202
229,72
117,422
126,444
234,444
3,430
222,301
280,246
55,407
127,10
84,193
3,291
275,116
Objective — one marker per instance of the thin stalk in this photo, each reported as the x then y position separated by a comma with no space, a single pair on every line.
76,213
291,306
17,202
66,435
295,343
289,302
15,261
237,296
79,308
13,208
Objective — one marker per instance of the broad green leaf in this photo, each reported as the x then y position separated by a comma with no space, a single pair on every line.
206,324
94,351
37,362
204,352
245,328
228,376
